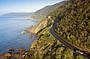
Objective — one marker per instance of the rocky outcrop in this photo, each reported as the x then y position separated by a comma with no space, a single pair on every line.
35,29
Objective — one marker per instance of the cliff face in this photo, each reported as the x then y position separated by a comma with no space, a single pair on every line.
35,29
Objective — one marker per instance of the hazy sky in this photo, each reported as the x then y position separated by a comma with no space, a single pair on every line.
7,6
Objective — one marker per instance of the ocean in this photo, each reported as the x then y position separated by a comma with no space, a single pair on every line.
10,33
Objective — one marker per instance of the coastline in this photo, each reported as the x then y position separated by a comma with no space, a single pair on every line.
7,53
33,30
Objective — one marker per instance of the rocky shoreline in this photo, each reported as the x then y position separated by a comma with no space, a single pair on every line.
35,29
14,55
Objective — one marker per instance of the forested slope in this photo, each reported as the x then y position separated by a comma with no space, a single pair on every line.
74,24
71,13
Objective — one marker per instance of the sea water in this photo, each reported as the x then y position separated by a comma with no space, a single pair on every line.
10,33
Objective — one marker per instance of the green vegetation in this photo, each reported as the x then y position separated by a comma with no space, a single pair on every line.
47,47
73,25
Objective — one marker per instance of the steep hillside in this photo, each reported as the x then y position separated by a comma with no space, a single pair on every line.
42,24
35,29
74,25
46,46
42,13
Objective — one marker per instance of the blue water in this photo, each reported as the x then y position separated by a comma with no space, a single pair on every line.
10,33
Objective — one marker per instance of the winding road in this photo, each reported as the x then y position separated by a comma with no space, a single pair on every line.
68,45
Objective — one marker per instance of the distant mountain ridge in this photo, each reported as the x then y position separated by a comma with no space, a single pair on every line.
18,14
38,15
42,13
